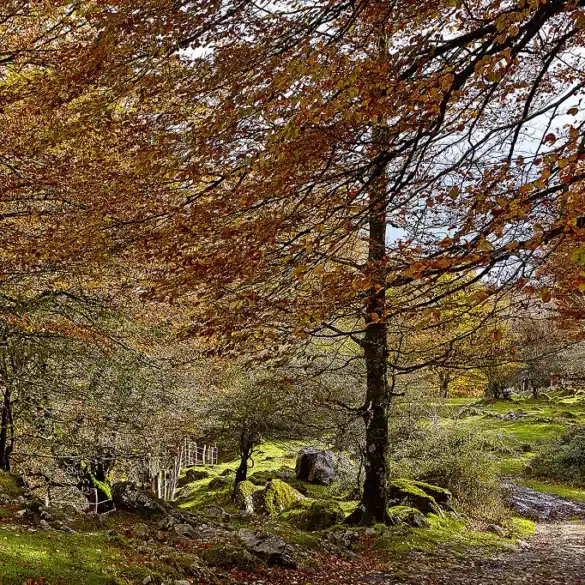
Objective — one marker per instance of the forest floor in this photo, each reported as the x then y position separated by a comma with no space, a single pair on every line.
124,550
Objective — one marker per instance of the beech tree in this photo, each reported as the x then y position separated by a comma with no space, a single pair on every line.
308,170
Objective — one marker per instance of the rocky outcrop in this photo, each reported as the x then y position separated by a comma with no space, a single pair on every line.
272,549
315,466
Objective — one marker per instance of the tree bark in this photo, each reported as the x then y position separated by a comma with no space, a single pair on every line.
6,423
444,385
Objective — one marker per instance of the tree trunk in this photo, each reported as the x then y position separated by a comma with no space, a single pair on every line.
6,423
245,453
374,502
444,385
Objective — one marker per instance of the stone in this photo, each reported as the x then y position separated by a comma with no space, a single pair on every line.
418,494
315,466
228,556
147,580
406,516
497,530
183,531
267,546
219,482
244,496
276,497
140,531
343,538
128,496
44,525
314,516
182,582
193,474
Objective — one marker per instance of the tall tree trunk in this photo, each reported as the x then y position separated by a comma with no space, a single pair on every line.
6,445
245,453
374,502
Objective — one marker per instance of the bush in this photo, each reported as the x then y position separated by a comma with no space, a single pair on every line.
562,459
457,462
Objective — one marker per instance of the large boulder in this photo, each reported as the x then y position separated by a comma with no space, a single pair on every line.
12,486
276,497
267,546
315,466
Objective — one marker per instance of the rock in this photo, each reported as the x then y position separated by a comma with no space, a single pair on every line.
541,507
147,580
315,466
182,582
183,531
497,530
230,557
44,525
343,538
12,485
128,496
406,516
200,572
269,547
140,531
194,474
219,482
523,545
314,516
228,471
417,494
244,496
276,497
218,512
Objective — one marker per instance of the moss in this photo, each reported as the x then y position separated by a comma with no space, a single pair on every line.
408,493
243,496
276,497
218,483
406,516
11,484
564,491
231,557
314,515
519,527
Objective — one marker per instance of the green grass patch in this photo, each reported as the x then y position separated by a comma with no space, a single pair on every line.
72,559
555,489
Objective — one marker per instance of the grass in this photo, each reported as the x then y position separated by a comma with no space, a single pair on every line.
84,559
452,533
555,489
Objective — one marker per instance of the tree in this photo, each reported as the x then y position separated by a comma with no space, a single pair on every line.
292,142
254,409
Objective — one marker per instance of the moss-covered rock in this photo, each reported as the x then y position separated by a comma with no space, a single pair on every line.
276,497
231,557
407,516
414,494
11,485
315,515
218,483
263,477
244,496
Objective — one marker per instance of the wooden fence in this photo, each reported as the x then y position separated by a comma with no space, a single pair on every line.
164,471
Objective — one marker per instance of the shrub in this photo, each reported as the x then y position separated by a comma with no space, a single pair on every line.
456,461
562,459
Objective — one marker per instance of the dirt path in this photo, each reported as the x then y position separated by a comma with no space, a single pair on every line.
555,555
